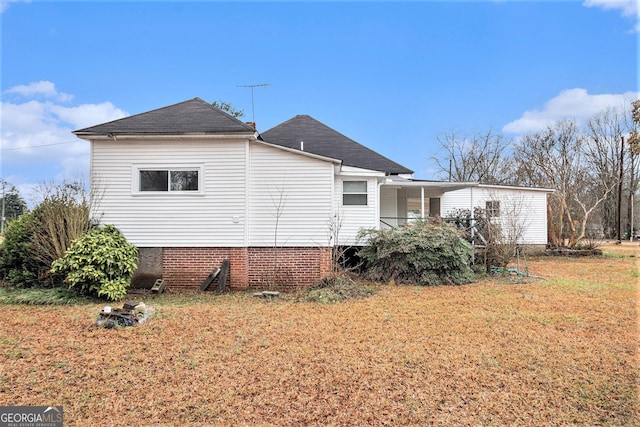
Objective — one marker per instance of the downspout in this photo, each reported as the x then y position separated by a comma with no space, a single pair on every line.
422,200
91,184
247,186
332,213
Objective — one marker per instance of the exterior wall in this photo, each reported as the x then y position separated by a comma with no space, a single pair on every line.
529,205
186,268
290,198
287,268
250,268
356,217
458,199
388,207
214,217
232,217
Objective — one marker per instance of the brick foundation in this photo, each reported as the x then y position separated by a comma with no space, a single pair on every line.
250,268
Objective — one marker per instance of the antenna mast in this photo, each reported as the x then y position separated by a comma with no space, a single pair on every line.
253,113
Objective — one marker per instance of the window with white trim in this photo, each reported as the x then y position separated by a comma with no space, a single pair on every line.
173,180
492,208
354,193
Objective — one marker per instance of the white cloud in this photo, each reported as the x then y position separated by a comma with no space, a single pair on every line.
36,140
630,8
42,88
4,4
626,7
575,104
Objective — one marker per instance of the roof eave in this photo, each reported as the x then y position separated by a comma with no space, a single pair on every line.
114,136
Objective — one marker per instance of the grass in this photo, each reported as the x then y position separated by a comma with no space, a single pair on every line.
39,296
562,350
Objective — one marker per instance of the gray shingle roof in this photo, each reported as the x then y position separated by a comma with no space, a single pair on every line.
320,139
194,115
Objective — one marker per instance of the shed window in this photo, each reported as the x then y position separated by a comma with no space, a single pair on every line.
169,180
354,193
492,208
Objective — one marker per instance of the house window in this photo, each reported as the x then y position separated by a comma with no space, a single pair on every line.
492,208
172,180
354,193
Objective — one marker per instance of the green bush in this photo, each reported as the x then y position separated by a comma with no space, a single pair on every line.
99,263
35,240
423,253
19,267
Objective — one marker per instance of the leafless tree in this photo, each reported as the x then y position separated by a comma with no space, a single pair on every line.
555,158
62,216
605,132
278,275
482,157
505,232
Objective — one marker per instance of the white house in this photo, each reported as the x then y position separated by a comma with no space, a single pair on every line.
191,186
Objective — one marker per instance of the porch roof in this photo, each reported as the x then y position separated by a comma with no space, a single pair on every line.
443,186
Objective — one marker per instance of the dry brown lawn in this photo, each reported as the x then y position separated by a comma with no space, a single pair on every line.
562,350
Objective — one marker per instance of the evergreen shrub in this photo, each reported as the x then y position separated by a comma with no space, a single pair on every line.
100,263
424,253
19,268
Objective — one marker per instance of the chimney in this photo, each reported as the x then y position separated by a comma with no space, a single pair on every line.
252,124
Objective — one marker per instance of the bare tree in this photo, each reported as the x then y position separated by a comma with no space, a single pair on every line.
605,131
278,275
62,216
554,158
504,232
482,157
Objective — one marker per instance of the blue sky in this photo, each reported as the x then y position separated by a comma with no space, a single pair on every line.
390,75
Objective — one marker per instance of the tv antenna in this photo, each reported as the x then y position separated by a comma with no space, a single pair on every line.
253,113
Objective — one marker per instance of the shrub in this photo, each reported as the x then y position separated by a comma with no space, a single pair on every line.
99,263
423,253
61,217
336,288
18,266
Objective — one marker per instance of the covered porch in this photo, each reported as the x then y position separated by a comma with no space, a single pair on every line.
403,201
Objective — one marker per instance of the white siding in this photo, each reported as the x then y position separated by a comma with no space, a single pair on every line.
301,186
214,218
388,207
356,217
532,209
458,199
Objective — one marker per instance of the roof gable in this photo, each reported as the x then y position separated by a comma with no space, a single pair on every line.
194,115
320,139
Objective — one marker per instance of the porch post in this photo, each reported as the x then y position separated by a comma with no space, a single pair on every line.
422,200
473,219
